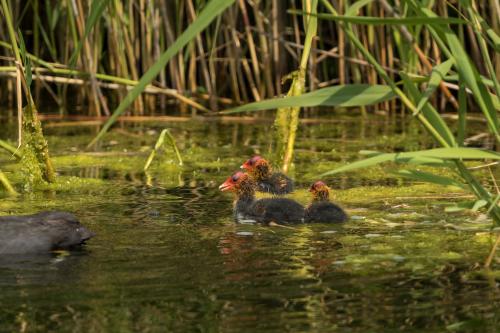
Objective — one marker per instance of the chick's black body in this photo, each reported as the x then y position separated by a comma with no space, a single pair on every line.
246,207
41,232
324,212
276,183
321,210
277,210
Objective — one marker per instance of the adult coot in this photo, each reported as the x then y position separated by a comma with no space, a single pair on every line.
41,232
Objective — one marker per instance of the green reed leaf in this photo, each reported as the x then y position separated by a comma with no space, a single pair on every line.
441,153
344,95
371,20
430,178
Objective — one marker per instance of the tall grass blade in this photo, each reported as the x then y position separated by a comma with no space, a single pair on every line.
159,144
344,95
4,182
472,205
471,76
355,7
441,153
369,20
437,75
464,67
12,150
490,32
430,178
436,123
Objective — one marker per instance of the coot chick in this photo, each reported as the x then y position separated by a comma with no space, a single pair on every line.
268,210
267,180
41,232
321,210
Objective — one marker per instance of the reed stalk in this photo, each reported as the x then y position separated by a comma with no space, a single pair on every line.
35,152
4,181
287,120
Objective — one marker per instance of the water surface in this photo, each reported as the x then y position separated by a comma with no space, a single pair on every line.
168,256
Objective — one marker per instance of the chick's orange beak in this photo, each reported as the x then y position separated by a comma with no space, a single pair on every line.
245,165
227,185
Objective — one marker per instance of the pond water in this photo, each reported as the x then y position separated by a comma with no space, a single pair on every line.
169,257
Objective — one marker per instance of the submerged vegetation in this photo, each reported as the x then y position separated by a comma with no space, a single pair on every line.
404,58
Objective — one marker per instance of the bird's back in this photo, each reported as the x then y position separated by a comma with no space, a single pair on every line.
278,210
324,212
277,183
41,232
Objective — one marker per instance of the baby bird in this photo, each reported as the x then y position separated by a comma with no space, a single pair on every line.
266,180
322,210
268,210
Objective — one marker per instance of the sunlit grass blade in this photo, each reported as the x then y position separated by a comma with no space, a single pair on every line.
454,78
472,205
430,178
344,95
467,71
207,15
441,153
356,6
428,111
481,39
12,150
437,75
415,20
417,160
159,144
5,183
490,32
471,76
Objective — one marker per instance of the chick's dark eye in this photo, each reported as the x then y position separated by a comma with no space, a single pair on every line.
235,178
250,162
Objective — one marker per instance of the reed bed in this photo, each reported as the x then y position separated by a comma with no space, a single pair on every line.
89,53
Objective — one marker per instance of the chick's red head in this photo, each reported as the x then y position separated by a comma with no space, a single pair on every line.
319,190
258,168
232,183
252,163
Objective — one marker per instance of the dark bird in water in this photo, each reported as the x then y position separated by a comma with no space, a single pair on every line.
322,210
266,180
41,232
268,210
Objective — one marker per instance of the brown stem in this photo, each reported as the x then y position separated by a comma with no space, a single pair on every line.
492,252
